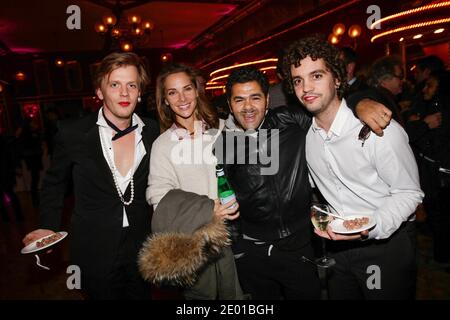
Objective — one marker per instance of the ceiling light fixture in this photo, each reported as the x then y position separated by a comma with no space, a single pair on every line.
124,32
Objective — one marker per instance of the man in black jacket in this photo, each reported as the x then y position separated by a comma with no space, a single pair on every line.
266,166
355,84
107,157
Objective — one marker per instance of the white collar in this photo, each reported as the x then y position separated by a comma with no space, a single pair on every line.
339,120
352,81
135,119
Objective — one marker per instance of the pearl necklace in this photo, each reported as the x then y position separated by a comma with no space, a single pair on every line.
112,168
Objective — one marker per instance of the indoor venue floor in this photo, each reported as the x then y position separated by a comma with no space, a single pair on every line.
21,279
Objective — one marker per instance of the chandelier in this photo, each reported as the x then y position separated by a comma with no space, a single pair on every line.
124,32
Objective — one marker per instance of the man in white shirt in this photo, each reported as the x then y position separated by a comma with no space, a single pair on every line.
374,176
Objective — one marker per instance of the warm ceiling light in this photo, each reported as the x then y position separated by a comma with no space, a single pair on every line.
220,77
213,81
411,26
401,39
20,76
124,29
127,47
268,68
417,36
115,33
100,28
243,64
284,31
354,31
408,12
1,89
109,20
338,29
147,26
439,30
412,68
134,18
333,39
166,57
59,62
215,87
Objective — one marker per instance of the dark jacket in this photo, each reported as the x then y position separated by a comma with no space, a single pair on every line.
8,163
380,95
357,86
433,143
97,218
276,205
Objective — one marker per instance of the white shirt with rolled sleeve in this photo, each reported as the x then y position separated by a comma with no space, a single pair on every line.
379,178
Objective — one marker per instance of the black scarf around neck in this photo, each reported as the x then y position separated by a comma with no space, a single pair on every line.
120,133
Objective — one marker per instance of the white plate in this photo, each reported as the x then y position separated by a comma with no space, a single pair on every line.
33,248
338,227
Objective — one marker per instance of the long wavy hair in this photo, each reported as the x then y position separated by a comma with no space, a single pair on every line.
204,111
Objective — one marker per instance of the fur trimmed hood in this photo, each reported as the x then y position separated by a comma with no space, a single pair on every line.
187,237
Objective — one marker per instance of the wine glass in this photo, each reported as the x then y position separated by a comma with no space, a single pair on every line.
320,220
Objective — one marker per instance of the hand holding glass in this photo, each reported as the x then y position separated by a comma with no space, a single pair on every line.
320,219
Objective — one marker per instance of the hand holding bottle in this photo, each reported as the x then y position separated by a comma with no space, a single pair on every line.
226,206
227,211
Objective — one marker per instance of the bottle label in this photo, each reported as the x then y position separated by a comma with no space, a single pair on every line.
228,198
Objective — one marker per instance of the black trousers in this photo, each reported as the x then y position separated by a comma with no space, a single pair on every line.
124,282
374,269
269,273
436,186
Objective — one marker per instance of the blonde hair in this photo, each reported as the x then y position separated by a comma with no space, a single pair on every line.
116,60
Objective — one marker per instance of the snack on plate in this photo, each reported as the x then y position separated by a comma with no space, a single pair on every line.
50,239
356,223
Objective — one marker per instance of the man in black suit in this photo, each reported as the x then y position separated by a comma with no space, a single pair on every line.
106,155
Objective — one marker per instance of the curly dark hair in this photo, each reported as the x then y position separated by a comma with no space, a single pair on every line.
247,74
315,48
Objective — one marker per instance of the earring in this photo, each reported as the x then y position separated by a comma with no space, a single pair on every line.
139,99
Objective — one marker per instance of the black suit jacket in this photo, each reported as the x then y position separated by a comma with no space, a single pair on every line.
96,223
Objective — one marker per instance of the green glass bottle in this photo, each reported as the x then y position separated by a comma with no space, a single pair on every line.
224,190
226,194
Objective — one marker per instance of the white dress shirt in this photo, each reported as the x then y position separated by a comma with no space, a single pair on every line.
139,153
379,178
